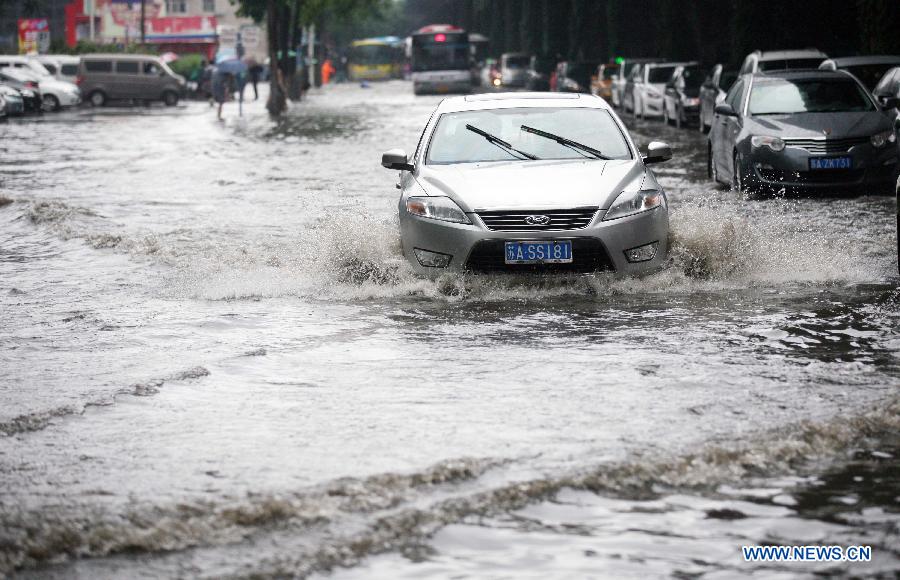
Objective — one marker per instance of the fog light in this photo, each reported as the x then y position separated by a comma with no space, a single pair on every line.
642,253
434,259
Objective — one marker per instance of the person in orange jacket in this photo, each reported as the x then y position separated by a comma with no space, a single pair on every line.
327,70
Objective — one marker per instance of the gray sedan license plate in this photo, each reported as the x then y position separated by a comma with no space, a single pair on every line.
817,163
550,252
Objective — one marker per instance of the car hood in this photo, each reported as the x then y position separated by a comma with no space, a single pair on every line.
51,84
545,184
808,125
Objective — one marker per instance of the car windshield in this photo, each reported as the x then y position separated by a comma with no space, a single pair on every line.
517,61
660,74
789,63
773,97
70,69
870,74
452,142
693,78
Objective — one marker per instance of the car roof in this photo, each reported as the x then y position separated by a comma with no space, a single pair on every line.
801,74
789,54
842,61
488,101
119,56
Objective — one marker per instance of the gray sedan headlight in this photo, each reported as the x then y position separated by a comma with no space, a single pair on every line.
437,208
773,143
883,138
632,202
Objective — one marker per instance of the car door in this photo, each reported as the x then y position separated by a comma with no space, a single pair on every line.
724,130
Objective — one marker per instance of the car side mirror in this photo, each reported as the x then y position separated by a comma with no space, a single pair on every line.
396,159
725,109
889,102
657,152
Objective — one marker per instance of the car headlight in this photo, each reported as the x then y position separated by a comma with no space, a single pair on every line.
883,138
773,143
632,202
437,208
651,92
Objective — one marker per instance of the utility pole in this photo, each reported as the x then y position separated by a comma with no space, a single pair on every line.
143,22
91,14
311,54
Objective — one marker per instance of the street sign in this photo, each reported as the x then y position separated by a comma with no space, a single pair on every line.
228,36
250,35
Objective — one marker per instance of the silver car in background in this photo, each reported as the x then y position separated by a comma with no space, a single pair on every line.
713,92
775,60
529,182
649,89
621,78
514,69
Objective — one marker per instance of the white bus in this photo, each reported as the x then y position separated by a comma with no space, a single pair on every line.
440,60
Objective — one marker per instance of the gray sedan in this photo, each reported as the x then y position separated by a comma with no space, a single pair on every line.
532,182
812,131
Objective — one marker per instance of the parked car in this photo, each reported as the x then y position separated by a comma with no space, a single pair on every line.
868,69
888,87
490,73
138,77
621,78
482,191
514,69
13,103
713,92
681,102
759,61
25,83
55,93
574,77
813,131
538,73
649,87
63,67
602,81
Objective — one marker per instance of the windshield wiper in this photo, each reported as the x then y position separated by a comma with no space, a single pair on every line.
500,143
565,142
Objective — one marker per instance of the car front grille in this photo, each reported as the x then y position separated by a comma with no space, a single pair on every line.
588,255
826,146
531,220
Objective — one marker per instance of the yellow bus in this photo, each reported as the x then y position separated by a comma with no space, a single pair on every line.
375,59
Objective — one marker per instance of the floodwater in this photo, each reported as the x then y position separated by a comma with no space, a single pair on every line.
214,362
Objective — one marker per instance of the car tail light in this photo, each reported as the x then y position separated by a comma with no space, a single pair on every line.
79,79
31,85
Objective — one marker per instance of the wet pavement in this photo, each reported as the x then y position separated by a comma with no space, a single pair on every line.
215,363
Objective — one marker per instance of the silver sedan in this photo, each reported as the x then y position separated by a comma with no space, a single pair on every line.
533,182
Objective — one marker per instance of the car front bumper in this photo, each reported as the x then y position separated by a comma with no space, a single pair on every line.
600,246
874,170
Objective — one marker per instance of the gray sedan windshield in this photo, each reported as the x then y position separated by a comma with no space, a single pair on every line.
774,97
453,143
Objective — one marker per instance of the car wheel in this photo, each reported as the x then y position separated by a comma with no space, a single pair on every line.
743,183
98,98
49,103
170,98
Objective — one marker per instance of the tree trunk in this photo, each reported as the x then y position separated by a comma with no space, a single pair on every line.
277,102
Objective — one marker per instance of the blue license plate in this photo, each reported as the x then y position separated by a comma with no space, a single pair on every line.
817,163
551,252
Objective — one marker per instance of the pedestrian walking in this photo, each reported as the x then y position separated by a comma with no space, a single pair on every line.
255,71
221,87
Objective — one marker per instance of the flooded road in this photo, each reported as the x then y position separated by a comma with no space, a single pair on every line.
216,363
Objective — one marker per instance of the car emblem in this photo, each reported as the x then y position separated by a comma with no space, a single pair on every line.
537,220
826,131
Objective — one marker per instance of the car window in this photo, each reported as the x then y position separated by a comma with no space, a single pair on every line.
99,66
51,68
151,68
869,74
888,82
451,142
727,79
789,63
70,69
127,67
660,74
733,97
782,96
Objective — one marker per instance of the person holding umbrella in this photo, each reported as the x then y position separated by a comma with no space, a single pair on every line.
228,70
255,71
